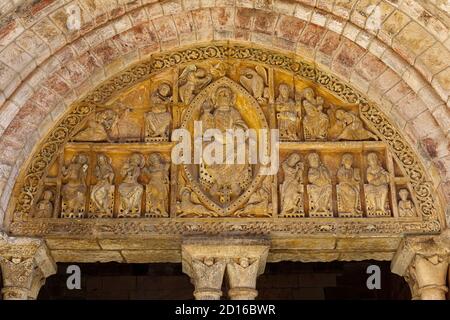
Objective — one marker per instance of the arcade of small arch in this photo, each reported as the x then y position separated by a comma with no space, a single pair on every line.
374,74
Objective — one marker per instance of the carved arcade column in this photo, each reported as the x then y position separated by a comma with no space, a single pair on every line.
424,262
206,260
25,264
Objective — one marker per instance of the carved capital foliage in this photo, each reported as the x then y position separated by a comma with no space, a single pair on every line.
25,263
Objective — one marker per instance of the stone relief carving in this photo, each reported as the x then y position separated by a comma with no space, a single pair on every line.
130,190
259,204
102,193
207,277
98,127
319,188
426,207
255,81
44,208
191,81
74,190
189,205
159,120
224,182
406,207
288,114
352,127
348,188
315,123
157,190
377,188
242,273
291,190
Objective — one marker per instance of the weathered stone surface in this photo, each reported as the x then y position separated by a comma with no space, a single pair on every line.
151,256
87,256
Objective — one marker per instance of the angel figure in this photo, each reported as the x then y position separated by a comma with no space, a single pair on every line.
130,190
159,119
255,81
192,80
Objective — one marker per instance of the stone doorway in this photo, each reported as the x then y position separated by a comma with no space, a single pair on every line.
283,280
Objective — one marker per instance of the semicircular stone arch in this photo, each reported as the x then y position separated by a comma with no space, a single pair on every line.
60,147
385,64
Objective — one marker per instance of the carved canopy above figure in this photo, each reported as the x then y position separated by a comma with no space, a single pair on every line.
105,169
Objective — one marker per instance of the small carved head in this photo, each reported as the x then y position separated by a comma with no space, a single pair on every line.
137,159
81,159
347,160
164,89
284,90
209,261
47,195
103,159
154,159
313,160
293,159
403,193
372,159
224,97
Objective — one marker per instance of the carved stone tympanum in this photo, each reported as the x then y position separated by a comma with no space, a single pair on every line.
224,86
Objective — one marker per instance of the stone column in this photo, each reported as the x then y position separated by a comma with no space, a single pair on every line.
424,262
25,264
205,261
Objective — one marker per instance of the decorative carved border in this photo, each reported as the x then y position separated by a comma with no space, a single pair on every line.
27,187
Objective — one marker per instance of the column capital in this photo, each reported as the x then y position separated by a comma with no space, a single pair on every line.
205,261
423,261
25,264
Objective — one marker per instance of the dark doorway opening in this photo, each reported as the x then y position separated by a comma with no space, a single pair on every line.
283,280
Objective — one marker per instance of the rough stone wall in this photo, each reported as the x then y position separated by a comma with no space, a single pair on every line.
397,52
286,280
